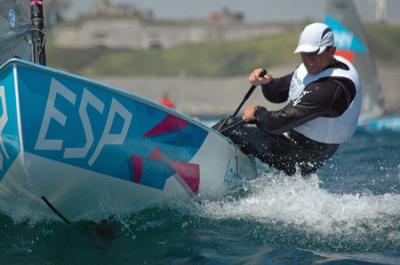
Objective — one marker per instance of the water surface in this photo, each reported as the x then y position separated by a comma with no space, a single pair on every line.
348,213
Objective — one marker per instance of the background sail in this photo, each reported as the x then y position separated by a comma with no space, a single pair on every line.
351,43
15,26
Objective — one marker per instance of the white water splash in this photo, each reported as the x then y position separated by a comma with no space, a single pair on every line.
301,202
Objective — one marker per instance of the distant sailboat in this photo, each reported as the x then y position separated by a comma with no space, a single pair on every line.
351,43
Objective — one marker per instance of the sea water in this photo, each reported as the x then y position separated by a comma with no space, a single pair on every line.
348,213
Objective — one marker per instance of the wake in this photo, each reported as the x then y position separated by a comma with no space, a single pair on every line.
300,202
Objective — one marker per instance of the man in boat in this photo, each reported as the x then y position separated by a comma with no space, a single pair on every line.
324,99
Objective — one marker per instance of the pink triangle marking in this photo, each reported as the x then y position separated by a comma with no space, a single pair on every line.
190,173
156,154
168,124
137,162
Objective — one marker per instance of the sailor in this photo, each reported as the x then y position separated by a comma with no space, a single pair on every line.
324,99
167,101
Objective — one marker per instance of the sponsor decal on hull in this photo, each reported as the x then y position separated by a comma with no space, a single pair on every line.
90,126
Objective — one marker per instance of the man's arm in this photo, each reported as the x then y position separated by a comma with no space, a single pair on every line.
277,91
325,98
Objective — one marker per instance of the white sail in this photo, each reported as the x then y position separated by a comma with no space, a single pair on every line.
351,43
15,30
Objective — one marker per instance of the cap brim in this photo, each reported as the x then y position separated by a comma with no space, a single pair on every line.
309,49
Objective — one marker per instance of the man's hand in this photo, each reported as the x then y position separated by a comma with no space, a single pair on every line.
248,114
256,80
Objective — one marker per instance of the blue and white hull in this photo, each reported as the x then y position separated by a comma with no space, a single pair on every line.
92,150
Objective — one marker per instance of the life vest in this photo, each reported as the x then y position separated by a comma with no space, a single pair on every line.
333,130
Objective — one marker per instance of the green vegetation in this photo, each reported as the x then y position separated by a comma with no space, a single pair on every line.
384,41
207,59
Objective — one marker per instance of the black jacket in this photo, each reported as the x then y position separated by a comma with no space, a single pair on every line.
272,138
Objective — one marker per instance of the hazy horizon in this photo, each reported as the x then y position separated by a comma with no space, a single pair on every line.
253,10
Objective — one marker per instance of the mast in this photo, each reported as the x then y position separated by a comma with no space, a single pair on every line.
38,36
380,10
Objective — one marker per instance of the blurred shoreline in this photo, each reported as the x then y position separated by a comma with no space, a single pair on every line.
211,96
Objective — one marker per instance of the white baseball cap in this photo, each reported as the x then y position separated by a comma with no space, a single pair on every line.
315,38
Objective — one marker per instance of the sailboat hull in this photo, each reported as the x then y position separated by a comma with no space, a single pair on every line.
92,150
